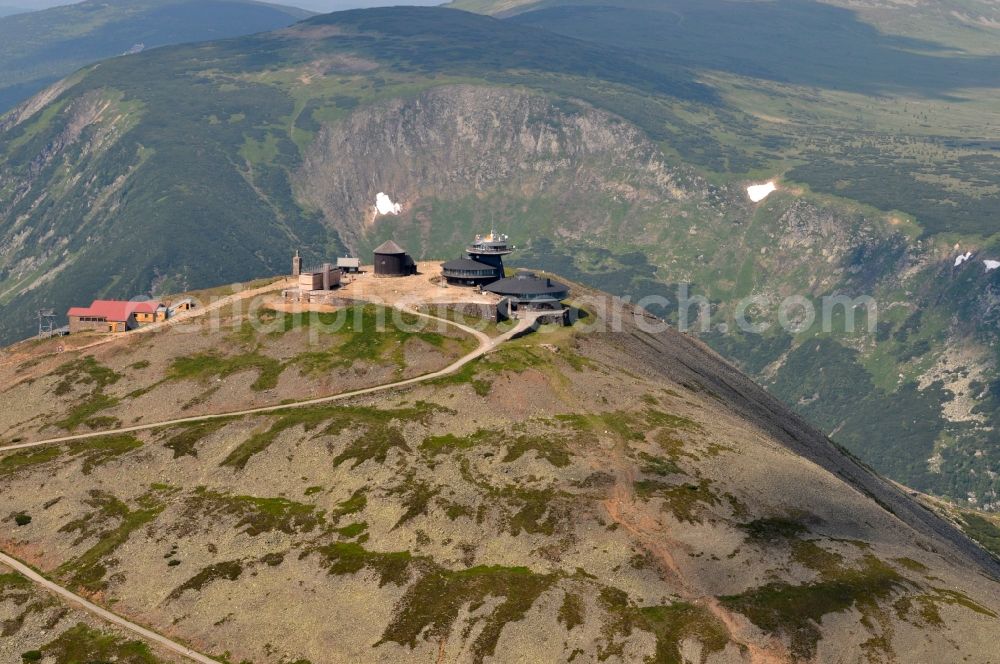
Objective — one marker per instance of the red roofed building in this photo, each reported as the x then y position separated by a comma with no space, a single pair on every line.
115,315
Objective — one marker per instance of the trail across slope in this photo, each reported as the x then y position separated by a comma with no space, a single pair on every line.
147,634
177,319
486,344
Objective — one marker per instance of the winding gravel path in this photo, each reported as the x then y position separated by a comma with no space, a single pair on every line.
486,344
147,634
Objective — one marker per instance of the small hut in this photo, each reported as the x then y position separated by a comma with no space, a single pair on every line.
349,264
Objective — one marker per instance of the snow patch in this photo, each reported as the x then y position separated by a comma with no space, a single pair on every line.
759,192
964,257
384,205
991,265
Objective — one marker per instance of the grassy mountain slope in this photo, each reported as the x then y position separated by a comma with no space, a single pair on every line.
971,25
914,142
645,501
192,165
893,120
38,48
37,624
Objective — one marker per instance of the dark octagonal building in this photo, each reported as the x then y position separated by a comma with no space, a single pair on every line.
391,260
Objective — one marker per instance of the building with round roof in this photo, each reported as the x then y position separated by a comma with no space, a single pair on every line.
482,263
468,272
529,291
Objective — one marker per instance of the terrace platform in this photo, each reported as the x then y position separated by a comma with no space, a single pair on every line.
422,289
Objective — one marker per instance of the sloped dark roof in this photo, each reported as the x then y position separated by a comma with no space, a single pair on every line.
527,284
462,264
390,247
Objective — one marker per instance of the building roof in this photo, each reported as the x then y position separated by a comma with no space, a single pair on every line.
115,310
528,284
389,247
316,270
492,244
348,262
466,264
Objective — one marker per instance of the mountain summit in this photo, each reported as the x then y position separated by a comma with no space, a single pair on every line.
601,492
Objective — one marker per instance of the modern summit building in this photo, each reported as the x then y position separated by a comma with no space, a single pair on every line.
483,263
527,291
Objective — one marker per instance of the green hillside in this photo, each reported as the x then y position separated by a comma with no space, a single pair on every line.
860,113
968,25
39,48
862,106
625,168
645,502
209,138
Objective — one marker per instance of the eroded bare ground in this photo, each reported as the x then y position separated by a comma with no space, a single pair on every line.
622,497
